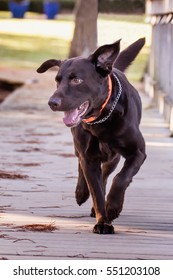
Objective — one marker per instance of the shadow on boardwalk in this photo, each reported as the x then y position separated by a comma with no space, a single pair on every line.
39,218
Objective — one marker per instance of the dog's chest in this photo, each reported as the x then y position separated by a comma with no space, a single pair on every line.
110,141
105,134
108,146
106,152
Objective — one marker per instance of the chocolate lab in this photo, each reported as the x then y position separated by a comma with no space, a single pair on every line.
103,110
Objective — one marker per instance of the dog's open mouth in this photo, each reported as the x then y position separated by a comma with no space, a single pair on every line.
74,117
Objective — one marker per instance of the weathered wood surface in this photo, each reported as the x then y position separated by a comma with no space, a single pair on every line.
34,142
159,6
160,68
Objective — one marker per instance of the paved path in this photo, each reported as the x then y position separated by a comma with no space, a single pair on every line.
39,218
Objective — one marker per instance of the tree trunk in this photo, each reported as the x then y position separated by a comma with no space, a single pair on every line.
85,33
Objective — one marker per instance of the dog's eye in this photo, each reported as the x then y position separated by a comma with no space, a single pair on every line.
76,81
58,80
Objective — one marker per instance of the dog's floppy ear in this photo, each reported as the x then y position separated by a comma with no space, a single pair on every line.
48,64
104,57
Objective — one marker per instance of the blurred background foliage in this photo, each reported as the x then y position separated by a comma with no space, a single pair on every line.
105,6
27,43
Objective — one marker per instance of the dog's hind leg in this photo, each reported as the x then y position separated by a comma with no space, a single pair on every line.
82,192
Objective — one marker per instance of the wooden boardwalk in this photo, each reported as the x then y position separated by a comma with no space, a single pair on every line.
39,218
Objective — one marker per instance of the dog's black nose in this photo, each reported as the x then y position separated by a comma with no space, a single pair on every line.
54,103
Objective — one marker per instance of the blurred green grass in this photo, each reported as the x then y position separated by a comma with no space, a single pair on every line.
23,48
28,51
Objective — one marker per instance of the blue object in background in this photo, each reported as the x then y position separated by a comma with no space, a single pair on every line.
18,10
51,9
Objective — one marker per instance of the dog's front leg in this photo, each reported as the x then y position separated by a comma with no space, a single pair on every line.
90,173
121,181
93,176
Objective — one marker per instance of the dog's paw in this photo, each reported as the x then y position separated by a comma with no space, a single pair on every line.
113,211
81,194
114,205
103,228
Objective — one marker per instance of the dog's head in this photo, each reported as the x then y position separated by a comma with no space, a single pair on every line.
82,83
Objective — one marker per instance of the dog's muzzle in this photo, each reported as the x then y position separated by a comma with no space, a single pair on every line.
54,103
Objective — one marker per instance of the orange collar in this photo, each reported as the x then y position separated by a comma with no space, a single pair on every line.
91,119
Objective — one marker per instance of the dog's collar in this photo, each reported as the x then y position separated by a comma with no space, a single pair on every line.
91,120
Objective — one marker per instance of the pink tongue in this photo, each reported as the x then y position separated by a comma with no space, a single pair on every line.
70,117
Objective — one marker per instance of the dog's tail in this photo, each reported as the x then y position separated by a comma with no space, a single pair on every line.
127,56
